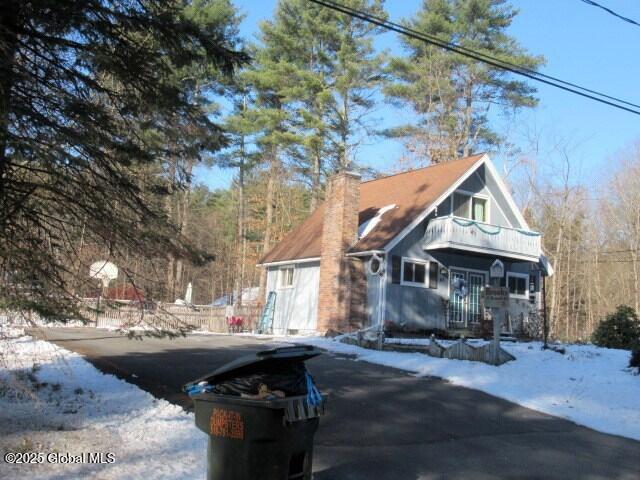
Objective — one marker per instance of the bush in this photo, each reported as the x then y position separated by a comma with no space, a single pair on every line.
619,330
635,358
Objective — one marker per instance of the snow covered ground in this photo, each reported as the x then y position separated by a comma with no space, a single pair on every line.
64,405
589,385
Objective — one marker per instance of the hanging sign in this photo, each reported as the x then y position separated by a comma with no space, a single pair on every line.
496,297
497,269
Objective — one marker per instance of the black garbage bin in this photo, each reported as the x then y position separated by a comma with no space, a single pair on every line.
259,439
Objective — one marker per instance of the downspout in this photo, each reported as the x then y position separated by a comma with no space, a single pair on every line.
545,326
382,303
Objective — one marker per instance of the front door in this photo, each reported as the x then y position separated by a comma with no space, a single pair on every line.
465,310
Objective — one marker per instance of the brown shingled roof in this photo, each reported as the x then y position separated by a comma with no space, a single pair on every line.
412,192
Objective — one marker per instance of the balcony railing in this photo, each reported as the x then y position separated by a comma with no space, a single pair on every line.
469,235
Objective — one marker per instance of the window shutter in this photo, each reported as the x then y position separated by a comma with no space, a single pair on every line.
396,266
433,274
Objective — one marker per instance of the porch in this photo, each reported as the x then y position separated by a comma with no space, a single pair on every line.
470,235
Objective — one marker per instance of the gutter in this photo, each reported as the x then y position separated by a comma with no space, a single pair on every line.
289,262
364,254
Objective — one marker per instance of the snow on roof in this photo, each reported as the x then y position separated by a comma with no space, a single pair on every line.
370,224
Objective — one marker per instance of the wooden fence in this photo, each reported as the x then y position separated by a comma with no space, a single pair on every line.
170,316
490,352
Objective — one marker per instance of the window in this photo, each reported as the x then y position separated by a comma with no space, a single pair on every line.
518,285
473,207
461,205
286,277
479,209
414,273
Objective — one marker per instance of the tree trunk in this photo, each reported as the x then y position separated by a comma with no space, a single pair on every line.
468,120
315,182
269,214
241,240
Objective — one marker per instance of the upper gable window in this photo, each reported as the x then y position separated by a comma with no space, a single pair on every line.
479,209
473,207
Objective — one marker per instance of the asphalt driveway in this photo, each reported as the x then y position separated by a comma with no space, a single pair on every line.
382,423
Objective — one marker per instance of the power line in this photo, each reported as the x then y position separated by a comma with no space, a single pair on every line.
608,10
481,57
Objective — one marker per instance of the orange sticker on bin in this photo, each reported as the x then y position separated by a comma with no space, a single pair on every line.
226,423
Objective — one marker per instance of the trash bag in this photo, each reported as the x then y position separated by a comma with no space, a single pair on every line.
287,377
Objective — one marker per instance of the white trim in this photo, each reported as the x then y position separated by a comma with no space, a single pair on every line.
415,261
382,299
463,269
470,193
494,201
425,213
484,273
501,186
473,270
471,196
507,195
289,262
365,254
526,285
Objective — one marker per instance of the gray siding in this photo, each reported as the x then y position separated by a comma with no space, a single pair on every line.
414,306
296,306
499,200
424,307
499,210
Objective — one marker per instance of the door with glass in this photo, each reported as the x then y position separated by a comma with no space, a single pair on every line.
464,304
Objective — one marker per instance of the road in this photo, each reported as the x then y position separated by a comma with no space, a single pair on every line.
382,423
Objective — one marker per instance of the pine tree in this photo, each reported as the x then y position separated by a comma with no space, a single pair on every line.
85,91
452,95
329,71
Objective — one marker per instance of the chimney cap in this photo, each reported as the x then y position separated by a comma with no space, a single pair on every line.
349,173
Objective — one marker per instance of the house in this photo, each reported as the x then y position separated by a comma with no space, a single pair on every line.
414,249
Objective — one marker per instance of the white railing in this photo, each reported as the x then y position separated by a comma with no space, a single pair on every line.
464,234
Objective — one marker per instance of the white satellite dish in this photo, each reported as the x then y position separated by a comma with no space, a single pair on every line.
104,271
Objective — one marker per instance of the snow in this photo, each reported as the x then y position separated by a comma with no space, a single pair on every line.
365,228
425,341
590,386
65,405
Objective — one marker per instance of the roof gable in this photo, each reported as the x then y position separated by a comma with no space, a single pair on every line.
412,192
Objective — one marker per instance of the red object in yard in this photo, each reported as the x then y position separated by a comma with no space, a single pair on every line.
119,292
235,324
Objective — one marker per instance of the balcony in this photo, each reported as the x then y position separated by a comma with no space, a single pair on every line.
469,235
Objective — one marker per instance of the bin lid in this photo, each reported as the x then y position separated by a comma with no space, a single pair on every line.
247,363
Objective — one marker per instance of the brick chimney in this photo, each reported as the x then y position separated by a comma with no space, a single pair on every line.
339,233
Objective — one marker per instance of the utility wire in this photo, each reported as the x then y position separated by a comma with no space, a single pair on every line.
481,57
608,10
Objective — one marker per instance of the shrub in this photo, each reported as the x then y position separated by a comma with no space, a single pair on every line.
619,330
635,358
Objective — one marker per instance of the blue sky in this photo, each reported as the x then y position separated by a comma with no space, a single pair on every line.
582,44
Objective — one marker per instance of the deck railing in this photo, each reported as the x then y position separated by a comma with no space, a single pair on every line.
464,234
